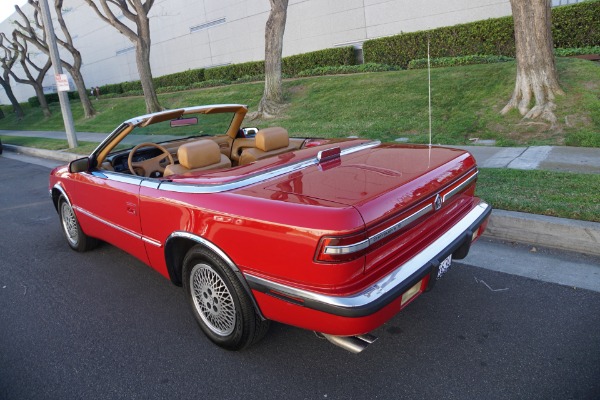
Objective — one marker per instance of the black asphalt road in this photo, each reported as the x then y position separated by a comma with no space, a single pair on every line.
102,325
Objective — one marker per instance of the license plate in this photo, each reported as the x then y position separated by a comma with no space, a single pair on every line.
444,266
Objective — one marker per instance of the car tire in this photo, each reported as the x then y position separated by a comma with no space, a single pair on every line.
76,239
219,302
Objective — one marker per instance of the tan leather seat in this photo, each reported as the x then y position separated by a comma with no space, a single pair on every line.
199,155
269,142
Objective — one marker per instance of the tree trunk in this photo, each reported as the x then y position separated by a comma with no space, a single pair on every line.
142,54
88,109
1,113
135,11
39,92
75,68
536,70
13,100
272,100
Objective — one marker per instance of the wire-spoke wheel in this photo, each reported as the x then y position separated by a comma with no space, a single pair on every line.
69,223
219,301
212,299
70,226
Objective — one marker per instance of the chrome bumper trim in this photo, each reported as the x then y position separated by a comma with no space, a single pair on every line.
392,285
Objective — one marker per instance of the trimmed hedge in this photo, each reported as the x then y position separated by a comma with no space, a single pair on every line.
347,69
456,61
335,57
577,51
130,86
290,66
111,88
234,71
237,73
51,98
576,25
493,36
184,78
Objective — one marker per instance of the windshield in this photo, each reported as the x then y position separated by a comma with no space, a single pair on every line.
189,125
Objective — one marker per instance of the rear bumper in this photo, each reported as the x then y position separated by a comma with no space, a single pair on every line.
390,288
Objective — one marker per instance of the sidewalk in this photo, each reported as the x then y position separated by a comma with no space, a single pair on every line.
537,230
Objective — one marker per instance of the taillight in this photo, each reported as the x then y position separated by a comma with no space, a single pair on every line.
334,249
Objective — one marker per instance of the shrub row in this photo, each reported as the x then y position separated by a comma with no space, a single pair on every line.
336,57
51,98
347,69
290,66
231,72
244,72
456,61
576,25
576,51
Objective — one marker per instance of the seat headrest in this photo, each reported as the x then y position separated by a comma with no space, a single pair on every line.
198,154
272,139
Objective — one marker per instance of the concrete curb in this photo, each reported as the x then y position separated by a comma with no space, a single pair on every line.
541,230
47,154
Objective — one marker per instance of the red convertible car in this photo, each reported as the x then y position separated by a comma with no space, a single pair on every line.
331,235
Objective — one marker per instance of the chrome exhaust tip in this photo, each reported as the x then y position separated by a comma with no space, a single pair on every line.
354,344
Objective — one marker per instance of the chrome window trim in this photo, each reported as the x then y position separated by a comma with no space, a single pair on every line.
460,187
124,178
250,180
150,183
130,179
386,284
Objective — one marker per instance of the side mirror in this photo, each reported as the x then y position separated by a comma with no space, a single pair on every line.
79,165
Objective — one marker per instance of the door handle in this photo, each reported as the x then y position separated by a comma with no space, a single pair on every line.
131,208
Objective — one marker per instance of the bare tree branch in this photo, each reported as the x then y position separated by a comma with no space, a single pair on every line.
18,50
6,64
29,33
137,12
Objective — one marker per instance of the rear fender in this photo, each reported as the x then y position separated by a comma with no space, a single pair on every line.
177,246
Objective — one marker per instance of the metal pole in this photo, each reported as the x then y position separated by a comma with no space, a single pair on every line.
65,106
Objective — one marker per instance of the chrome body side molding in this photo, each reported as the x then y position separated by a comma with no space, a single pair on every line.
126,231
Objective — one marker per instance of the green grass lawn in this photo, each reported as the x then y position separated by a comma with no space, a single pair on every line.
466,102
557,194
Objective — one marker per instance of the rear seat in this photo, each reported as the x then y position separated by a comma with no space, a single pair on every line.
269,142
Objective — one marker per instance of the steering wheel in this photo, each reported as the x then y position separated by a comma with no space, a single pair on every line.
151,165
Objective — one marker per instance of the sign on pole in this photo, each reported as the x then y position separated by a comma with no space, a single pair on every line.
62,82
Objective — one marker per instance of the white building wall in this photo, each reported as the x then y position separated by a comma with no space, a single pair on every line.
189,34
